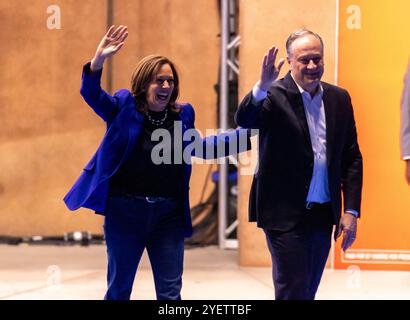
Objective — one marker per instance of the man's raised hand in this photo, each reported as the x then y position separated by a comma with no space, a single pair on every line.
270,71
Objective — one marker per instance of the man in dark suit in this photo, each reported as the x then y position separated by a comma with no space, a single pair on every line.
308,154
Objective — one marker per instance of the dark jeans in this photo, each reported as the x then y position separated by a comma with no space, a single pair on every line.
299,255
133,224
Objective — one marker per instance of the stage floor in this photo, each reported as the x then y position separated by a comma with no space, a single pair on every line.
38,272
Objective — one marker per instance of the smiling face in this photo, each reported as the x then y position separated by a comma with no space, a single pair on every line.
306,62
159,90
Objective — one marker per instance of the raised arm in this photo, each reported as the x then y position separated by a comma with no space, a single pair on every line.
110,44
249,112
101,102
269,71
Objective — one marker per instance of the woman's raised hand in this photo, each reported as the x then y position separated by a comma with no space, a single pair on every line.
110,44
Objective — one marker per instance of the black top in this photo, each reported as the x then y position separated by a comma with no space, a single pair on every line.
138,175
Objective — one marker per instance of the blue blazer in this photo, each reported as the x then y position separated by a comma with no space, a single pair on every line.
124,125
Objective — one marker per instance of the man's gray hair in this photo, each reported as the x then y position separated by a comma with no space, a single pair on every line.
297,34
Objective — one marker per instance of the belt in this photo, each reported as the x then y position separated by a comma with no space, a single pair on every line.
317,205
151,199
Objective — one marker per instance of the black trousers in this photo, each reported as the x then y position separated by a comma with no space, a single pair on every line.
299,255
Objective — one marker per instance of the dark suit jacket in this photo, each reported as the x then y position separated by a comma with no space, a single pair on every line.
280,186
124,125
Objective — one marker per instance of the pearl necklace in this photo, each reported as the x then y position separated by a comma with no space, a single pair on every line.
158,122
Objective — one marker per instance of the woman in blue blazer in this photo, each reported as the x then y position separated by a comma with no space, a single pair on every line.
142,190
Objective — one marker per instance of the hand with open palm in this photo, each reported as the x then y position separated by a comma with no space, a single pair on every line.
270,71
110,44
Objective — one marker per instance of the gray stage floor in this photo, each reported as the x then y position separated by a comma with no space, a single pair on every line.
30,272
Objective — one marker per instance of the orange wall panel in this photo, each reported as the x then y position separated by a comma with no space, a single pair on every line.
47,132
373,54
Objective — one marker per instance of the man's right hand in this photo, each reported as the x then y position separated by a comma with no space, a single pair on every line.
408,171
110,44
270,72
